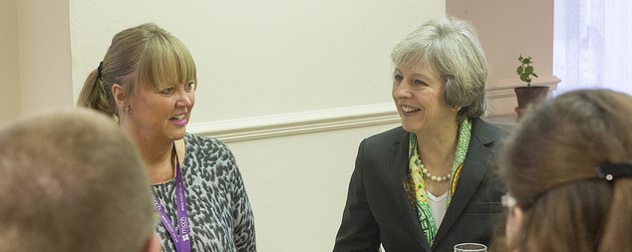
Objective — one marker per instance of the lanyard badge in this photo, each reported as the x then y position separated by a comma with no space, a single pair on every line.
182,241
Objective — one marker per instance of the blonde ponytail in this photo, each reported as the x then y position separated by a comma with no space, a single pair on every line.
94,96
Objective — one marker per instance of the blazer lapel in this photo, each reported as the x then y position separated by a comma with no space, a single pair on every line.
474,169
396,176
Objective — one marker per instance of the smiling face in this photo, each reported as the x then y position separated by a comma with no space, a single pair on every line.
418,92
160,114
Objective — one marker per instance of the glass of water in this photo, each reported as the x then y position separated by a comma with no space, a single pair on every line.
470,247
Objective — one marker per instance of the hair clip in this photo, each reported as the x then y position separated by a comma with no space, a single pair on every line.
610,171
99,70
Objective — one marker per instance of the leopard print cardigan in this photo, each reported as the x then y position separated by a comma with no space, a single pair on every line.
220,217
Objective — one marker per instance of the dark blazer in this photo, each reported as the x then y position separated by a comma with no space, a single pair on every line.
378,209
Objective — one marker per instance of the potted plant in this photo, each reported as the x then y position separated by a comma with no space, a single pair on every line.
528,94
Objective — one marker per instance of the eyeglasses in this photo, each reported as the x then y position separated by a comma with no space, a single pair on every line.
508,201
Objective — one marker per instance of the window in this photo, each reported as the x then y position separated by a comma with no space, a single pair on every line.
592,44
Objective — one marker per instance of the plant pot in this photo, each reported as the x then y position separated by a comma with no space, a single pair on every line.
528,95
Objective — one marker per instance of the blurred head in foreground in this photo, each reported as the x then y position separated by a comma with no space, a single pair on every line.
569,175
72,180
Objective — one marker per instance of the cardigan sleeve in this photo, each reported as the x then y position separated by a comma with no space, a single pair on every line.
243,219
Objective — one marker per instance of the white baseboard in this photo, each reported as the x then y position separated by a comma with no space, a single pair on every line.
330,119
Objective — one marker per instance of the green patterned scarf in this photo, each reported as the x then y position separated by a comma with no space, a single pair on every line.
416,187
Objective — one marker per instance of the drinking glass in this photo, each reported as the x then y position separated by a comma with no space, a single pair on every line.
470,247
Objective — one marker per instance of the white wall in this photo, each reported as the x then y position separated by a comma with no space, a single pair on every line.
259,58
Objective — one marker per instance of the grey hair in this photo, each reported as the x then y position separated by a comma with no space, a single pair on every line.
451,47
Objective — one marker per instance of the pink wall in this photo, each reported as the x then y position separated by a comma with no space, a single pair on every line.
508,29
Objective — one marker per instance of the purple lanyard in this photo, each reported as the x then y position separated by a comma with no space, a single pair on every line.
182,242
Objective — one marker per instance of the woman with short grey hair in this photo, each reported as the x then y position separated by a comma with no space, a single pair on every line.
429,184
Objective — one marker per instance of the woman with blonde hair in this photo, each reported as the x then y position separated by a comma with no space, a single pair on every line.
569,175
147,81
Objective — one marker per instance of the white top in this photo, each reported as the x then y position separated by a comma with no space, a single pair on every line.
438,207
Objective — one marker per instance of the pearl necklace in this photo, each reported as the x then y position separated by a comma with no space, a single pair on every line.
433,177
